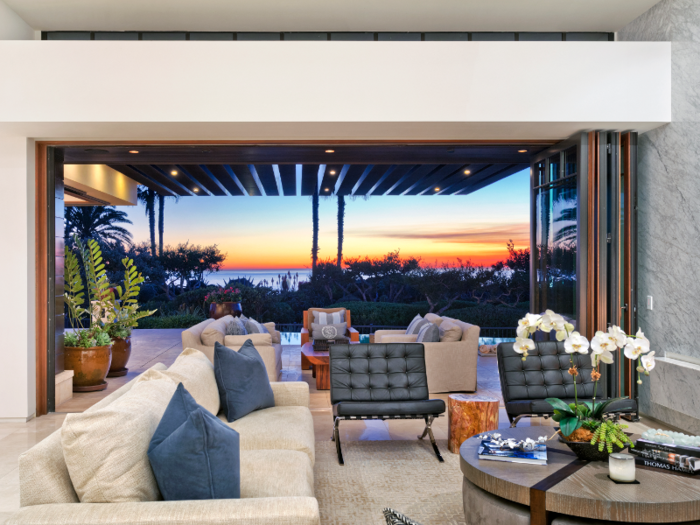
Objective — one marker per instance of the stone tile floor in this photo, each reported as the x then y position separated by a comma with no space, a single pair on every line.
153,346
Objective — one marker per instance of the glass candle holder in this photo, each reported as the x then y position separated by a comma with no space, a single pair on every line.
621,468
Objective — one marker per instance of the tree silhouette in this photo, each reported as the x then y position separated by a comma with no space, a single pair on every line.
161,221
314,245
148,197
341,226
99,223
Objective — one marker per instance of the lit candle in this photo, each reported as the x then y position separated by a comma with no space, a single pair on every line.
621,468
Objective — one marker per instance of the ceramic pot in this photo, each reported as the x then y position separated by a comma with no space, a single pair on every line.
584,450
90,367
219,310
121,351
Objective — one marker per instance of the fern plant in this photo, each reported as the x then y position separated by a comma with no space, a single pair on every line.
126,307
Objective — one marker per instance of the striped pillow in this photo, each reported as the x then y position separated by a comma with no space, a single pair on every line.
428,333
253,327
329,318
417,319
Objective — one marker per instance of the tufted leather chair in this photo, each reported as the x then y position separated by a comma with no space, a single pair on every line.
545,373
381,381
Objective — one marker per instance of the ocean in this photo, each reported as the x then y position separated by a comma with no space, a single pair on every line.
223,276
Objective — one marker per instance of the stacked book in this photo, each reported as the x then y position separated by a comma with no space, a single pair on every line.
667,456
530,452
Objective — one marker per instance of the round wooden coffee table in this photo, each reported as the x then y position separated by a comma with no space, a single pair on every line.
571,487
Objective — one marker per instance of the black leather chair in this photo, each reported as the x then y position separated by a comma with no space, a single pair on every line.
545,373
381,381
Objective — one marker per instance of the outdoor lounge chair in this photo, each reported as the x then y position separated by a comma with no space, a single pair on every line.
545,373
381,381
351,333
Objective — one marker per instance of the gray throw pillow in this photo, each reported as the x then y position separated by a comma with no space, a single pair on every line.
428,333
328,331
328,318
253,327
410,330
417,327
236,327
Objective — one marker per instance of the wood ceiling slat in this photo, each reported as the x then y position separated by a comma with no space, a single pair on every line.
460,181
309,179
500,175
246,179
186,179
203,178
223,177
391,178
434,179
351,177
372,178
288,174
329,180
142,179
267,178
409,179
155,173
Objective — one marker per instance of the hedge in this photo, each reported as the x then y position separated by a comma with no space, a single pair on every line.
488,315
170,321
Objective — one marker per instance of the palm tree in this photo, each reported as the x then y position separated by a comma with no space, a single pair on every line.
314,246
148,197
99,223
161,222
341,225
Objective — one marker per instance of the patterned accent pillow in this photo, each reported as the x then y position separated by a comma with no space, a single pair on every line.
328,318
420,324
253,327
396,518
236,327
328,331
417,319
428,333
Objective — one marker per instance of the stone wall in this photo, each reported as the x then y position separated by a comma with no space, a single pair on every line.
669,216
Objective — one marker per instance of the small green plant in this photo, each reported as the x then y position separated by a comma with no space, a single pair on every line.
126,314
608,434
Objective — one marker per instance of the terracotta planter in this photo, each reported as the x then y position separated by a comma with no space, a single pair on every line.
219,310
121,351
90,367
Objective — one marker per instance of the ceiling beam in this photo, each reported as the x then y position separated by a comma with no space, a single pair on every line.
236,180
288,175
142,179
170,182
221,175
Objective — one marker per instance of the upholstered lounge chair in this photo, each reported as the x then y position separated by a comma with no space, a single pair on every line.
545,373
351,333
381,381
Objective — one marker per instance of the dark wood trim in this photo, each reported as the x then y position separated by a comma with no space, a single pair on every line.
42,275
591,259
626,267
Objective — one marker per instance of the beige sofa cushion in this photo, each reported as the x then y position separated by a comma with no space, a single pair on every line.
215,332
106,450
276,474
276,428
450,332
194,370
236,341
276,338
434,318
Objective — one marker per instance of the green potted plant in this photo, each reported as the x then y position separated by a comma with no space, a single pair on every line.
224,301
88,346
125,317
584,427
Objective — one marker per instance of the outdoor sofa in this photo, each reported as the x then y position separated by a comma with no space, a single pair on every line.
204,335
276,468
450,366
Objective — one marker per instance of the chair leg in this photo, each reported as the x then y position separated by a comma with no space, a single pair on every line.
336,435
429,431
514,422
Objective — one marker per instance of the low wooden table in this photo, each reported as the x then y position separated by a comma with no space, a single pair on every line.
569,486
469,415
320,365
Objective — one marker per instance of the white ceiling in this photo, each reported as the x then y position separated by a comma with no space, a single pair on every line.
330,15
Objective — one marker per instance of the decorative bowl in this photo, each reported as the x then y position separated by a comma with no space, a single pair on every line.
584,450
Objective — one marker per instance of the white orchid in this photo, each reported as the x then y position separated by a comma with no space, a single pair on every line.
529,323
576,343
523,345
646,344
648,362
522,331
601,343
635,347
604,357
552,321
617,336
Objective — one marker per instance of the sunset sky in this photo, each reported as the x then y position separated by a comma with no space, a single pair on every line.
275,232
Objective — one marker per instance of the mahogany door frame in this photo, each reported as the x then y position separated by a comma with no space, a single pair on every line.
45,207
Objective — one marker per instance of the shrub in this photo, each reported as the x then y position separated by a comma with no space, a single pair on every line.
393,314
488,315
171,321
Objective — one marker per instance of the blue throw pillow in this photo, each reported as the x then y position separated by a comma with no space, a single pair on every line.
193,454
242,380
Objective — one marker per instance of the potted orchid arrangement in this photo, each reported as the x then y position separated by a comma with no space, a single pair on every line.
224,301
585,423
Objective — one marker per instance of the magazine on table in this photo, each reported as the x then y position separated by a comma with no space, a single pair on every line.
493,450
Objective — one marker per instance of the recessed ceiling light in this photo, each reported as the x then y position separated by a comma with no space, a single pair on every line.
467,172
332,172
330,151
522,151
133,151
196,190
437,189
326,189
174,172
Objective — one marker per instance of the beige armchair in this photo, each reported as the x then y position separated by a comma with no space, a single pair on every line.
351,333
450,366
202,337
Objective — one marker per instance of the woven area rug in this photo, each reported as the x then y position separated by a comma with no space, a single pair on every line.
402,474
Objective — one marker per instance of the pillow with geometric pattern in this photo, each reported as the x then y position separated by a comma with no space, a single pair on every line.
328,317
328,331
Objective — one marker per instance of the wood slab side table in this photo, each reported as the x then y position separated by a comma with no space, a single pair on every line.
469,415
320,363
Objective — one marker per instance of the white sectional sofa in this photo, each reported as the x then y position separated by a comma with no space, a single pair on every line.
202,336
277,485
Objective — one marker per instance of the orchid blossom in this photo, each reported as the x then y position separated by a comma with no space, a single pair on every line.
576,343
523,345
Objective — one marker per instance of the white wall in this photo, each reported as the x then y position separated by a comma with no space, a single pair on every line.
17,265
12,27
286,90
